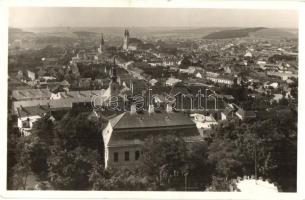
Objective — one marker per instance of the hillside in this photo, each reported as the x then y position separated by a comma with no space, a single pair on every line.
16,33
273,33
226,34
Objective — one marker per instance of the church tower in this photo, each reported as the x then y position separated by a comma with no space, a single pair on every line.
102,45
114,71
114,85
126,40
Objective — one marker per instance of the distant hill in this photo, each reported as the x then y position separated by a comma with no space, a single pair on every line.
274,33
156,32
226,34
16,33
85,34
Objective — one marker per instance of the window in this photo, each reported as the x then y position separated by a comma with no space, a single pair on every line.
115,156
137,155
126,155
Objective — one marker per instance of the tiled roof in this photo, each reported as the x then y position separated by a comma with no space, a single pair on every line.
81,94
66,101
132,129
32,111
31,94
153,120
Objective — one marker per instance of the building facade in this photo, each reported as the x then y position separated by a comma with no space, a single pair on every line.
125,134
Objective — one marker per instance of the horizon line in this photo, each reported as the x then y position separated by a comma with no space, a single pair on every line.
68,26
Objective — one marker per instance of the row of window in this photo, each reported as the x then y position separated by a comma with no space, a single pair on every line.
126,156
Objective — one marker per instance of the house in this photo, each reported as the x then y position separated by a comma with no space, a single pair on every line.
248,55
155,62
44,80
31,94
189,70
227,113
28,116
198,75
227,70
19,75
125,133
273,85
277,97
174,68
153,82
212,74
283,75
31,75
245,114
63,100
84,83
136,72
203,122
221,80
190,98
172,81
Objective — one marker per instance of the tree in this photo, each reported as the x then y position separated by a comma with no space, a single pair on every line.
75,129
200,169
171,163
219,184
77,145
38,155
12,141
43,128
124,178
224,155
266,147
69,170
186,62
22,169
163,156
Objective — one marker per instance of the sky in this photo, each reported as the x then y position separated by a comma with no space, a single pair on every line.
149,17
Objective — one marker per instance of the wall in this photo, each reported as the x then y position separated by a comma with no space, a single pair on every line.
121,152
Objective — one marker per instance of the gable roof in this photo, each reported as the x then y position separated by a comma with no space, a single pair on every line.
132,129
152,120
31,94
113,121
32,111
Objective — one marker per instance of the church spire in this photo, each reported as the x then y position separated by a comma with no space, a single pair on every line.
114,71
102,40
101,46
126,39
126,33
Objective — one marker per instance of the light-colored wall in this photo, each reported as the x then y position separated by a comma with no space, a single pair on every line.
121,152
32,119
223,116
106,137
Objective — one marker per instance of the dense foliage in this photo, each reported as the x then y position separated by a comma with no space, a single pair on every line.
69,154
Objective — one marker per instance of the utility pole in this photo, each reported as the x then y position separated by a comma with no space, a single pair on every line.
255,162
206,104
185,181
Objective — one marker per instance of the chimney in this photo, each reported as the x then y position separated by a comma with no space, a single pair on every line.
133,109
169,107
150,105
151,108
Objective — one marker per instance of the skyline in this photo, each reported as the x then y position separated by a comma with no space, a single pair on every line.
38,17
